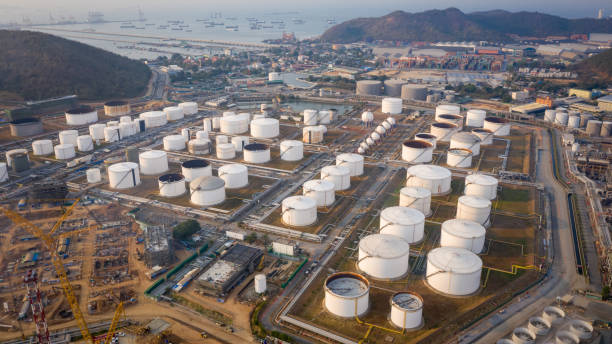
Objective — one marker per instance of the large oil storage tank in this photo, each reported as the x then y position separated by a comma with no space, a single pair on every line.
199,146
240,142
392,106
93,175
189,108
64,151
311,117
299,211
3,172
485,135
427,137
42,147
313,134
466,140
351,160
561,118
264,128
406,310
81,115
464,234
417,151
24,127
153,162
325,117
192,169
606,129
573,122
549,115
12,153
207,191
226,151
481,185
435,178
117,108
68,136
414,92
233,125
584,119
347,294
593,127
123,175
554,315
416,198
322,191
453,271
234,175
539,326
202,134
173,113
499,126
443,131
96,131
452,119
474,208
154,118
291,150
447,109
174,143
339,175
475,118
171,185
383,256
256,153
581,328
219,139
393,87
404,222
111,134
459,157
368,88
85,143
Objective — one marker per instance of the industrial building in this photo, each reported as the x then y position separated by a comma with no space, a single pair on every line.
605,103
235,264
157,246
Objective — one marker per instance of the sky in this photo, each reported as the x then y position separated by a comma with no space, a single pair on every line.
341,9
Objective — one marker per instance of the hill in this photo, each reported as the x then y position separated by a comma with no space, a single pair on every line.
36,66
453,25
596,71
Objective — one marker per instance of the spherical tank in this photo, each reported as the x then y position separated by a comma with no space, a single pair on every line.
256,153
414,92
406,310
199,146
339,175
192,169
375,136
154,118
383,256
499,126
42,147
226,151
233,125
311,117
347,294
464,234
207,191
153,162
370,142
475,118
466,140
312,134
435,178
189,108
93,175
453,271
416,198
459,157
427,137
64,151
85,143
116,108
481,185
452,119
123,175
393,87
392,106
26,127
171,185
291,150
522,335
322,191
81,115
351,160
216,122
299,211
173,113
485,135
234,175
96,131
264,128
367,117
260,283
404,222
447,109
443,131
368,88
111,134
417,151
474,208
68,136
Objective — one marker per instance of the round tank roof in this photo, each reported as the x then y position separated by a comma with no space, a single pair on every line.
429,171
482,130
463,228
460,151
232,168
153,154
171,178
417,144
496,120
336,170
450,116
264,121
444,125
319,185
416,192
480,179
206,183
454,259
299,202
256,147
407,300
120,166
474,201
347,284
369,82
425,136
384,246
292,143
80,110
465,137
116,103
350,157
195,163
24,121
402,215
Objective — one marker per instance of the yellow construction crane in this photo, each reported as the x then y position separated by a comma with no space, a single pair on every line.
49,242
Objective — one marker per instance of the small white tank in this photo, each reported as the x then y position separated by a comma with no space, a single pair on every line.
406,310
339,175
216,122
499,126
351,160
85,143
64,151
451,119
189,108
549,115
192,169
311,117
485,135
561,118
111,134
475,118
207,191
199,146
416,198
123,175
173,113
68,136
417,151
153,162
447,109
260,283
573,122
240,142
291,150
256,153
97,131
554,315
466,140
383,256
443,131
185,134
459,157
313,134
325,117
299,211
453,271
522,335
42,147
481,185
406,223
234,175
125,119
463,234
427,137
392,106
219,139
475,209
226,151
174,143
207,124
171,185
322,191
93,175
435,178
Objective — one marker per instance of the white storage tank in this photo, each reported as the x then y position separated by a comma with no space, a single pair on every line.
522,335
381,130
417,151
481,185
561,118
42,147
554,315
539,326
233,125
174,143
171,185
416,198
406,310
347,294
375,137
264,128
111,134
404,222
154,118
226,151
216,122
383,256
311,117
435,178
239,142
485,135
474,208
291,150
68,136
466,140
97,131
189,108
173,113
125,130
581,328
392,106
153,162
549,115
499,126
199,146
367,117
93,175
447,109
125,119
202,134
123,175
453,271
427,137
573,122
299,211
219,139
325,117
452,119
85,143
207,191
64,151
256,153
185,134
112,123
339,175
81,115
234,175
313,134
322,191
459,157
13,152
464,234
192,169
260,283
475,118
351,160
443,131
207,124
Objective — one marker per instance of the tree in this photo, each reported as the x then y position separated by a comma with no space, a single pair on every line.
605,293
185,229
